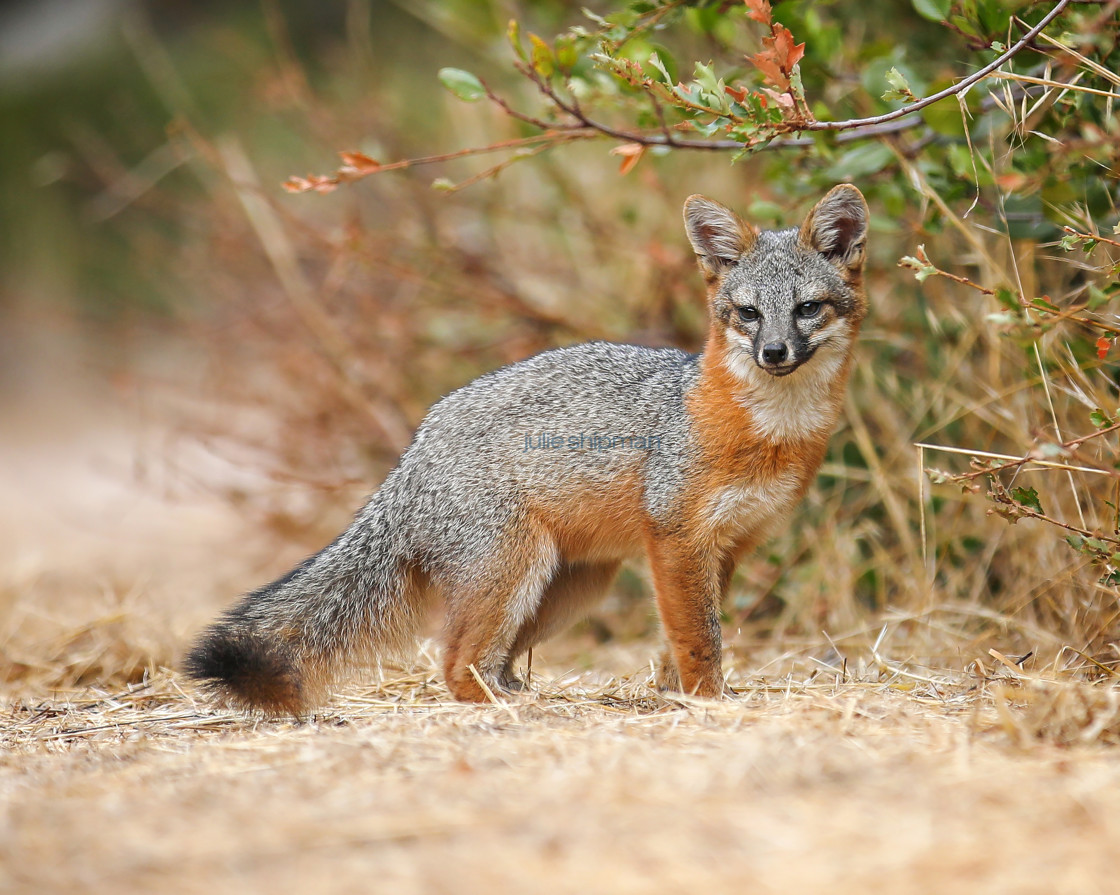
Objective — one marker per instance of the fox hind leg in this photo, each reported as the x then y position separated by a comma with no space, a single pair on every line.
485,614
573,590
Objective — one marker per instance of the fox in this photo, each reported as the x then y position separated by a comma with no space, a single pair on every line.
523,491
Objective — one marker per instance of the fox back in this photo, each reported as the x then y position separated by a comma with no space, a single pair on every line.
522,492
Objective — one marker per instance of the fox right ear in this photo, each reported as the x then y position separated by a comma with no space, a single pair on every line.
837,227
717,234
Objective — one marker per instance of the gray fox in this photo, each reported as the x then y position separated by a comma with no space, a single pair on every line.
523,491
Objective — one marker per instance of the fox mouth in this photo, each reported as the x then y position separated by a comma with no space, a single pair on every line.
778,370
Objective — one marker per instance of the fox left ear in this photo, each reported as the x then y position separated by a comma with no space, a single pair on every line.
837,227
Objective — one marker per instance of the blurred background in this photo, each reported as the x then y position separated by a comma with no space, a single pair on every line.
201,375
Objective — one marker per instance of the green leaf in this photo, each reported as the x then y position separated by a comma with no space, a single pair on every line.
658,63
922,270
900,87
1008,299
706,77
934,10
994,15
567,54
513,34
862,161
543,63
1027,497
1100,419
463,84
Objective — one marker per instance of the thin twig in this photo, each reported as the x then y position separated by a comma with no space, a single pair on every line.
1014,463
953,89
1095,238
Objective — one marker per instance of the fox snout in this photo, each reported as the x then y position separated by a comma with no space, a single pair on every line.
779,358
775,359
774,353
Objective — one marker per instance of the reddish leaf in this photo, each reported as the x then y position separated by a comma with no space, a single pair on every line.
1011,181
759,10
778,57
770,67
739,94
359,163
781,100
631,154
787,52
322,184
1103,344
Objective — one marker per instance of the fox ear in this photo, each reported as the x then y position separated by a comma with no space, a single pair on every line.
717,234
837,227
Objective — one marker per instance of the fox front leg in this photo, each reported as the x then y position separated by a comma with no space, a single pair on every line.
687,583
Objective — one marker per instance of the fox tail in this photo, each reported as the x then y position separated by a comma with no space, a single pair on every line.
281,648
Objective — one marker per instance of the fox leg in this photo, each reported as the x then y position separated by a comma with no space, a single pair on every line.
571,592
485,614
666,676
689,585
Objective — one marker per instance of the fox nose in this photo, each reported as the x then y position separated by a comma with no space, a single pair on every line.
775,352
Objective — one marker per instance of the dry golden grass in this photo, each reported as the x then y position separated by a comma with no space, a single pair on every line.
850,774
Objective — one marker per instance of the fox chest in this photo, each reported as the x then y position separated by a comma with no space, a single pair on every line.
746,509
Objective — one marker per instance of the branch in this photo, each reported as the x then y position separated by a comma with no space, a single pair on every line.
1067,446
860,128
785,135
1080,235
953,90
365,166
926,268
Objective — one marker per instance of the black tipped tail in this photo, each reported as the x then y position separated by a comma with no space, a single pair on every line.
248,670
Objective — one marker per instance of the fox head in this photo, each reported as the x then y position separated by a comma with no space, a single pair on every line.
780,298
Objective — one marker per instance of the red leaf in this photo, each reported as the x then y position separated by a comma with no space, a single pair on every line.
739,94
359,162
323,184
1103,344
770,67
631,154
778,57
759,10
788,53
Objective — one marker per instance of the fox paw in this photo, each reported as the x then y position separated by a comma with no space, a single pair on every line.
665,676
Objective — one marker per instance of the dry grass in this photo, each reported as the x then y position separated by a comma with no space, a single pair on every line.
901,781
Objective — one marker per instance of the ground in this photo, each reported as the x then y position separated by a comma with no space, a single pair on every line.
877,774
825,786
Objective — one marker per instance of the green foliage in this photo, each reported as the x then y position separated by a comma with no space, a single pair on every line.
463,84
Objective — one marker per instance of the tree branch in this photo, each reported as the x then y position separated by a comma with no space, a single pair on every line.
952,90
785,135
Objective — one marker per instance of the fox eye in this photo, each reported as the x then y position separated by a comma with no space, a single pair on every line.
808,309
748,314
